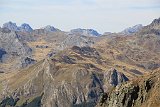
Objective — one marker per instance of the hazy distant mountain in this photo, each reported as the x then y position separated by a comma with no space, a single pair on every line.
85,32
13,27
25,27
50,28
133,29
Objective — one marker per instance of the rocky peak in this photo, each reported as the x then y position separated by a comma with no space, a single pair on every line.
11,26
85,32
2,52
155,25
133,29
50,28
142,92
156,21
153,28
25,27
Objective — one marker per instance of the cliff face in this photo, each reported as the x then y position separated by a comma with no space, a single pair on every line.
13,51
113,78
143,92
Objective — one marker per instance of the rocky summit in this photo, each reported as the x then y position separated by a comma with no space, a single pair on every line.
133,29
13,27
48,67
85,32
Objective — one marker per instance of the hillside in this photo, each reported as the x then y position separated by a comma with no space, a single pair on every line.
143,91
73,77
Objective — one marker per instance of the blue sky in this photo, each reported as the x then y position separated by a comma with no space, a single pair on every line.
102,15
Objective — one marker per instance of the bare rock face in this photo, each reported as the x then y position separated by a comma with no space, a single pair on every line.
11,43
2,53
113,78
27,61
12,47
11,26
156,22
25,28
137,93
153,28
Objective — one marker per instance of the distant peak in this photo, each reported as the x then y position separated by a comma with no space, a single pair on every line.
13,27
10,22
156,21
50,28
85,32
132,29
25,27
10,25
25,24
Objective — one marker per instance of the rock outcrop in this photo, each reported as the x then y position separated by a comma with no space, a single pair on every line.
143,92
113,78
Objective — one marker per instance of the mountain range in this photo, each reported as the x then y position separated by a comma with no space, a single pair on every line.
79,31
48,67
